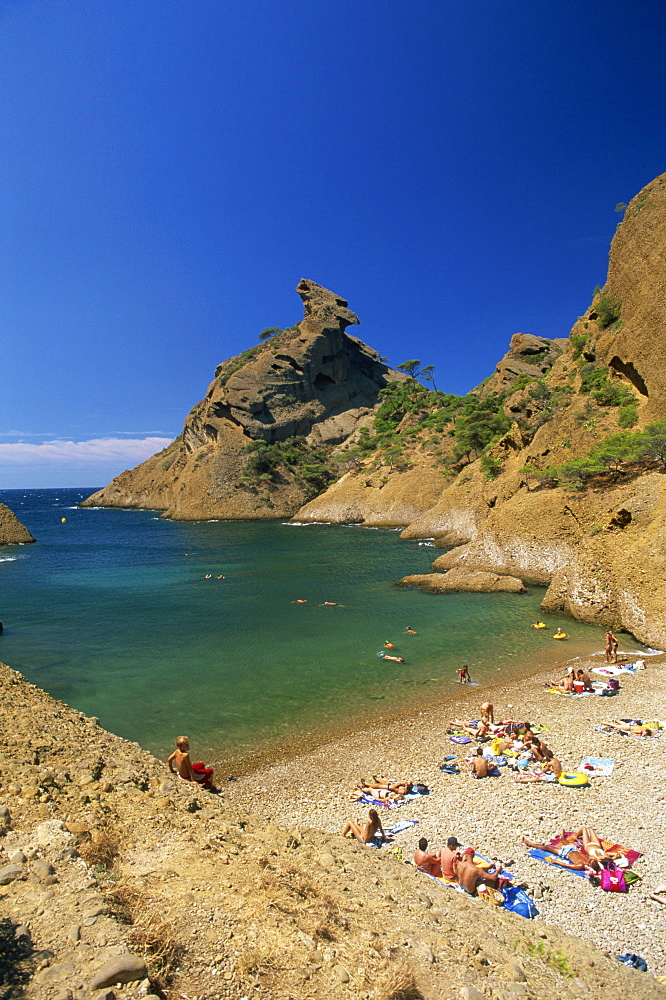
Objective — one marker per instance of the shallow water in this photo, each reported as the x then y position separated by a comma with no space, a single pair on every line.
111,613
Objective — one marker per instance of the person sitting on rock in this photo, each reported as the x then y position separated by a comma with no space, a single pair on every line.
372,828
426,862
199,773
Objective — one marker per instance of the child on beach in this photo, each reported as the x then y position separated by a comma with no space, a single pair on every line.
463,674
199,773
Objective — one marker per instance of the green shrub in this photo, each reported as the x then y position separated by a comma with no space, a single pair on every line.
608,310
578,342
628,415
491,467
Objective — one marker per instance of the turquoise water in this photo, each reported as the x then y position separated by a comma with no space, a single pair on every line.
111,613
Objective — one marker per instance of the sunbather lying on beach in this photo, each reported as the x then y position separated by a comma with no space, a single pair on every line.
659,894
550,767
565,685
372,828
592,844
479,730
628,727
566,856
382,788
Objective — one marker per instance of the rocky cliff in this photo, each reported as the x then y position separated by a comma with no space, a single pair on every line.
295,398
598,547
12,532
488,475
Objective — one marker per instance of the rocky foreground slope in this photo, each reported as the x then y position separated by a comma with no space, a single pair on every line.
112,870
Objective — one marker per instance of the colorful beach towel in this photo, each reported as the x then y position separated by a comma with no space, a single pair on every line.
608,845
596,767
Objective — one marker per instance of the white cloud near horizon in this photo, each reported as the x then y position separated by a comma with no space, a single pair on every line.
92,453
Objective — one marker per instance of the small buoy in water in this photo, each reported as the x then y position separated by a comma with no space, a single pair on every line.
63,520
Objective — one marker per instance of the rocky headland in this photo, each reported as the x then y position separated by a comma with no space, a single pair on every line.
119,880
515,479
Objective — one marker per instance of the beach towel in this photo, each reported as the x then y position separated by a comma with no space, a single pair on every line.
400,826
596,767
460,739
608,846
611,671
536,852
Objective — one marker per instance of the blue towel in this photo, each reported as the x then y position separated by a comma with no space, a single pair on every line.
542,855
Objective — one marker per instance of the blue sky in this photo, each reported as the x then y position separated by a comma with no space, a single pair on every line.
171,169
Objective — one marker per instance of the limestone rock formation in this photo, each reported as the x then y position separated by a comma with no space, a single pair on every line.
314,382
12,532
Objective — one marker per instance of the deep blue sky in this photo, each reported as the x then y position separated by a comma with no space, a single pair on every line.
170,170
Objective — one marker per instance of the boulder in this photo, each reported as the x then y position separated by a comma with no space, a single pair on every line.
126,968
460,579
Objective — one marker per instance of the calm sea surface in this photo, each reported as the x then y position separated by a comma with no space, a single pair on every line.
111,612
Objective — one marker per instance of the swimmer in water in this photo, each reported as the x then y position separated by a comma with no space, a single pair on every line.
396,659
409,631
329,604
389,645
208,576
299,600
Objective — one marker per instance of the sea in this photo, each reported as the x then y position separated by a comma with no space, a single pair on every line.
162,628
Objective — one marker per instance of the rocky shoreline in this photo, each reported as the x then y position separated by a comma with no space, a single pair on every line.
105,855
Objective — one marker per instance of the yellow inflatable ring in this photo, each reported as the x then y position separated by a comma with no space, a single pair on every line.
572,780
539,625
563,636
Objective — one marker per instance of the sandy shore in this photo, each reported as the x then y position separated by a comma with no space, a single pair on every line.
493,814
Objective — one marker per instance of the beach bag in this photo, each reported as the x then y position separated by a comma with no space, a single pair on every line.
517,900
613,683
612,878
490,895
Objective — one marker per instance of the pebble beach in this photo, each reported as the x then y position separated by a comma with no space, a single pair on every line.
493,814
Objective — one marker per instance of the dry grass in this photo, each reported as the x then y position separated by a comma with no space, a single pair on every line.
261,957
103,848
148,932
398,983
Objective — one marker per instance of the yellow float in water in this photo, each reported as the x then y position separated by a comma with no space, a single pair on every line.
572,780
539,625
560,635
63,520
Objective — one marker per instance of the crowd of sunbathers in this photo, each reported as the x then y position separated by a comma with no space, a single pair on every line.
514,743
458,868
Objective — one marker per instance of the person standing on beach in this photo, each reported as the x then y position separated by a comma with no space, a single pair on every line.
609,645
613,648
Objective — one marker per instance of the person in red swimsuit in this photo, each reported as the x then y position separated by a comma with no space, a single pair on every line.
186,769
